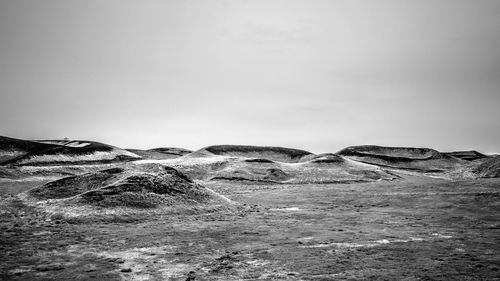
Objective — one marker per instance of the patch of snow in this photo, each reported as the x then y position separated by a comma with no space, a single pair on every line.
11,153
437,235
291,209
77,144
385,241
42,233
30,179
258,262
20,270
308,238
416,239
96,156
185,161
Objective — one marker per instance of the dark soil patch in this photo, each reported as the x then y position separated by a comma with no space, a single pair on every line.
259,160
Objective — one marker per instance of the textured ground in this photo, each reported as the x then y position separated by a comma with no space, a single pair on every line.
418,229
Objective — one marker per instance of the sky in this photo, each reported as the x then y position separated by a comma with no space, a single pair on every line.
318,75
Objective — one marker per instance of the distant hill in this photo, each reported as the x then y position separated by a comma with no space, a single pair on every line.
160,153
279,154
244,162
36,152
323,168
470,155
406,158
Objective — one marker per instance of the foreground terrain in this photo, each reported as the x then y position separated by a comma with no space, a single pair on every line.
418,229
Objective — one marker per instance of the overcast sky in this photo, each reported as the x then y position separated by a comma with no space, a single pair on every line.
316,75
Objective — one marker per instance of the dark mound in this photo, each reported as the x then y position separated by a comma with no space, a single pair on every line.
161,153
467,155
7,143
74,185
128,188
327,158
279,154
274,174
11,149
269,175
489,168
144,190
50,151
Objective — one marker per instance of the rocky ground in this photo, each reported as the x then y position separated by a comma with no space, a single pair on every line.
418,228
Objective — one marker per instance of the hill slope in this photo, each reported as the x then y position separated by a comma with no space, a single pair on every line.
280,154
405,158
161,152
151,187
490,168
467,155
25,152
323,168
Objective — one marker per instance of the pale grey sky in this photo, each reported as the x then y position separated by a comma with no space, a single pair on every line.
310,74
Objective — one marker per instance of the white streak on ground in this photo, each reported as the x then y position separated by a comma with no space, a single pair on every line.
95,156
292,209
375,243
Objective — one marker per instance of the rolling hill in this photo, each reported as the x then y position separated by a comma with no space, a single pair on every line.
111,191
42,152
470,155
490,168
273,153
424,160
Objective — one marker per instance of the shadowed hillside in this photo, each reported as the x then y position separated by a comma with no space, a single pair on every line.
489,168
24,152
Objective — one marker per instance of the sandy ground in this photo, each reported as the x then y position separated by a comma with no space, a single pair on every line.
418,229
